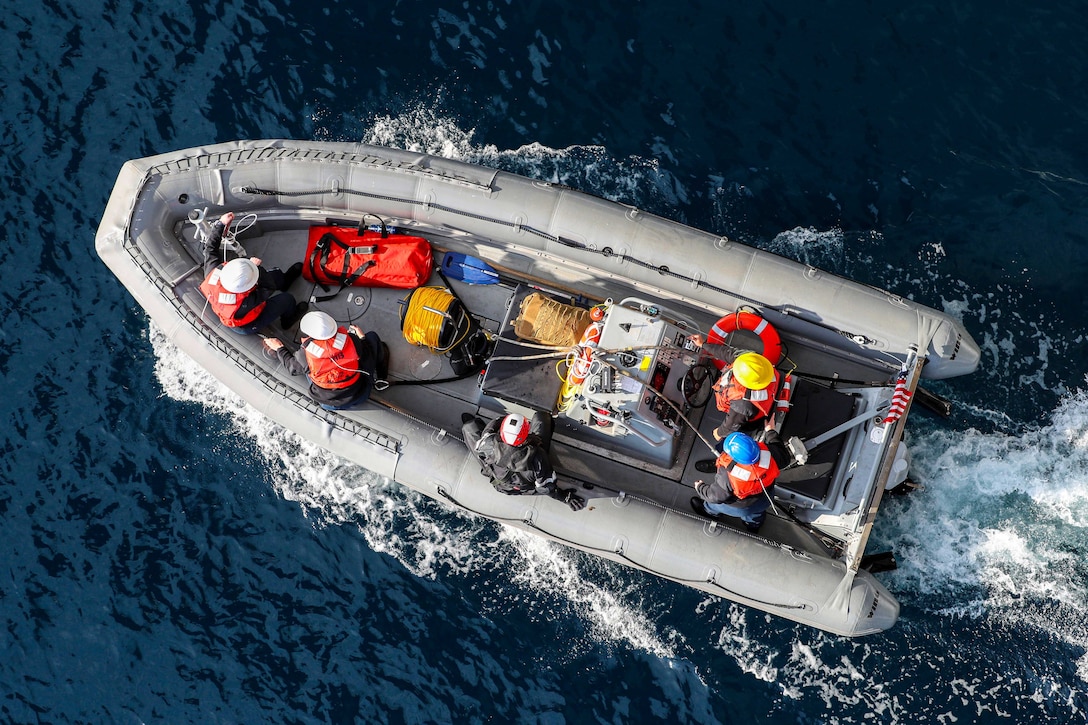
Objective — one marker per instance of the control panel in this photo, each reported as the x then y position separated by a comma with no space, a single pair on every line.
633,394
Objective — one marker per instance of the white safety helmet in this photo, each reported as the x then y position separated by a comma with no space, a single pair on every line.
238,275
514,429
318,325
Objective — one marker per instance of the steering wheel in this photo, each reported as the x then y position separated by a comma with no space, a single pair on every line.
697,384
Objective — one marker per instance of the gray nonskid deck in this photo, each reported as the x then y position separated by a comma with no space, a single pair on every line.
441,404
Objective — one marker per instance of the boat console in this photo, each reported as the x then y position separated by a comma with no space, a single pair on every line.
630,395
636,370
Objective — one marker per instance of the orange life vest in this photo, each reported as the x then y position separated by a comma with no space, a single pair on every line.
728,389
750,479
226,304
333,363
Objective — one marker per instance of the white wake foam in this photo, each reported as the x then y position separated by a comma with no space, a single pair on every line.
1004,520
423,128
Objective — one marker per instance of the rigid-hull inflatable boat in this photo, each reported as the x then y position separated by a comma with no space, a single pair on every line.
619,377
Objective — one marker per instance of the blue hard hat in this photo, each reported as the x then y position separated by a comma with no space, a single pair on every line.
741,448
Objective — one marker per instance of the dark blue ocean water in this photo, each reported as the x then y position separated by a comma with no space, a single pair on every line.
169,556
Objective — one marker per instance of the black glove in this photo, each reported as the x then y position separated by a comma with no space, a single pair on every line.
570,498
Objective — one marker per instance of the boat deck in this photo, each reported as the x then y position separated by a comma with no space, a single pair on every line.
580,456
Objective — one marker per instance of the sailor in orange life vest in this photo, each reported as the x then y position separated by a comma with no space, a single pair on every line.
746,390
341,363
244,295
744,479
513,454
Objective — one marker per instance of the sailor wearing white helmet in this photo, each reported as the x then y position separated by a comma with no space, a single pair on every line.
242,294
342,363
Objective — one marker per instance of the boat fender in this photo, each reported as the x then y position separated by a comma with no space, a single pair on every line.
750,321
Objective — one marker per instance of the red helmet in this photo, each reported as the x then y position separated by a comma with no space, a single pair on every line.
514,429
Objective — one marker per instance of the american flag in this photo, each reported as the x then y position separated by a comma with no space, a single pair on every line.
900,399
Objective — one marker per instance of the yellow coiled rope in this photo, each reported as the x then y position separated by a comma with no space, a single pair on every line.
427,313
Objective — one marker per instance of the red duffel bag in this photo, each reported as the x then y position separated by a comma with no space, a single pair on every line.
344,257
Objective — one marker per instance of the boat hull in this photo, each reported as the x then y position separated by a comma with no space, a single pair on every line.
542,231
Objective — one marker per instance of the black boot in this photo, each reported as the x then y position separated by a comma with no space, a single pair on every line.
291,318
698,507
383,360
293,273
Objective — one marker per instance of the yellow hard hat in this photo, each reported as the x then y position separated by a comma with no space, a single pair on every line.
753,371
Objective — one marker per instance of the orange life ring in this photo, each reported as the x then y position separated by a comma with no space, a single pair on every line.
750,321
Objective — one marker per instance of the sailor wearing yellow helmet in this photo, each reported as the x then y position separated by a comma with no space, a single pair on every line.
746,390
